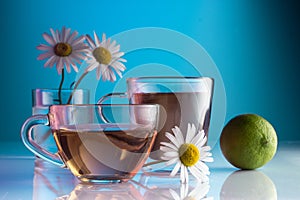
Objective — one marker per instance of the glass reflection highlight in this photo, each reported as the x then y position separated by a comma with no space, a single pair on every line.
51,181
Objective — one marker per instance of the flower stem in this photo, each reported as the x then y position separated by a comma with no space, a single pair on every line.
60,85
76,86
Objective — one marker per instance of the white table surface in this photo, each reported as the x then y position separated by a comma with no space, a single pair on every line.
24,177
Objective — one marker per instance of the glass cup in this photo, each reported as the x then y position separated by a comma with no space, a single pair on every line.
93,150
42,99
183,100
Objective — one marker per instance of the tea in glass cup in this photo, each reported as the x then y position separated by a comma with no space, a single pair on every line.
93,150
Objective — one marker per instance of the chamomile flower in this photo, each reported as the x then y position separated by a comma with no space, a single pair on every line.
105,56
189,154
198,193
64,49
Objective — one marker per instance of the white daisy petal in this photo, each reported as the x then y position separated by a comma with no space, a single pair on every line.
78,41
174,195
118,54
166,158
71,37
49,39
119,73
182,174
44,47
205,148
190,133
113,77
167,149
205,155
97,40
175,169
202,167
71,63
208,159
59,65
202,141
67,35
178,135
118,65
122,60
172,161
107,45
112,44
171,154
51,61
103,37
56,40
90,41
169,145
197,139
98,73
44,56
200,191
58,36
63,34
186,174
172,139
198,174
115,49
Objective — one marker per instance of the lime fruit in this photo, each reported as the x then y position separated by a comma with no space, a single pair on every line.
248,141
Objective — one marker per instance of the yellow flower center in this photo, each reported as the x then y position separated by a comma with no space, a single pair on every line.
102,55
62,49
189,154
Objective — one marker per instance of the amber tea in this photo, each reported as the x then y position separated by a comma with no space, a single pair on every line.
106,152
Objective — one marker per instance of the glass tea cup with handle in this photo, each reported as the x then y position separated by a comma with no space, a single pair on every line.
93,150
182,100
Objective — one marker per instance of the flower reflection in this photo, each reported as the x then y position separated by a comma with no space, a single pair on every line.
198,193
160,186
248,184
126,191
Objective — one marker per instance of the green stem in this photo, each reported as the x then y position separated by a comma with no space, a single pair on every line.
60,85
76,86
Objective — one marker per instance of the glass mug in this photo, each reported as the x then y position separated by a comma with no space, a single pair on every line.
42,99
182,100
93,150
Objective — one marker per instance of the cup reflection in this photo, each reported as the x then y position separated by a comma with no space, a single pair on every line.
250,184
85,191
50,181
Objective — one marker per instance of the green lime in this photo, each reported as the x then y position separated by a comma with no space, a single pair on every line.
248,141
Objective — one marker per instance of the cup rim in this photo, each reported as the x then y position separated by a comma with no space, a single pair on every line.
56,89
105,105
169,79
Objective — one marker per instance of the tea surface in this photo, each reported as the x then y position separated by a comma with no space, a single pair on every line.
108,153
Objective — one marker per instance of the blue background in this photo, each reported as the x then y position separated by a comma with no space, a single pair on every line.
255,45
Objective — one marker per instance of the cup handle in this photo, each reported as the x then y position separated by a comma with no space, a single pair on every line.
112,95
27,138
107,97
